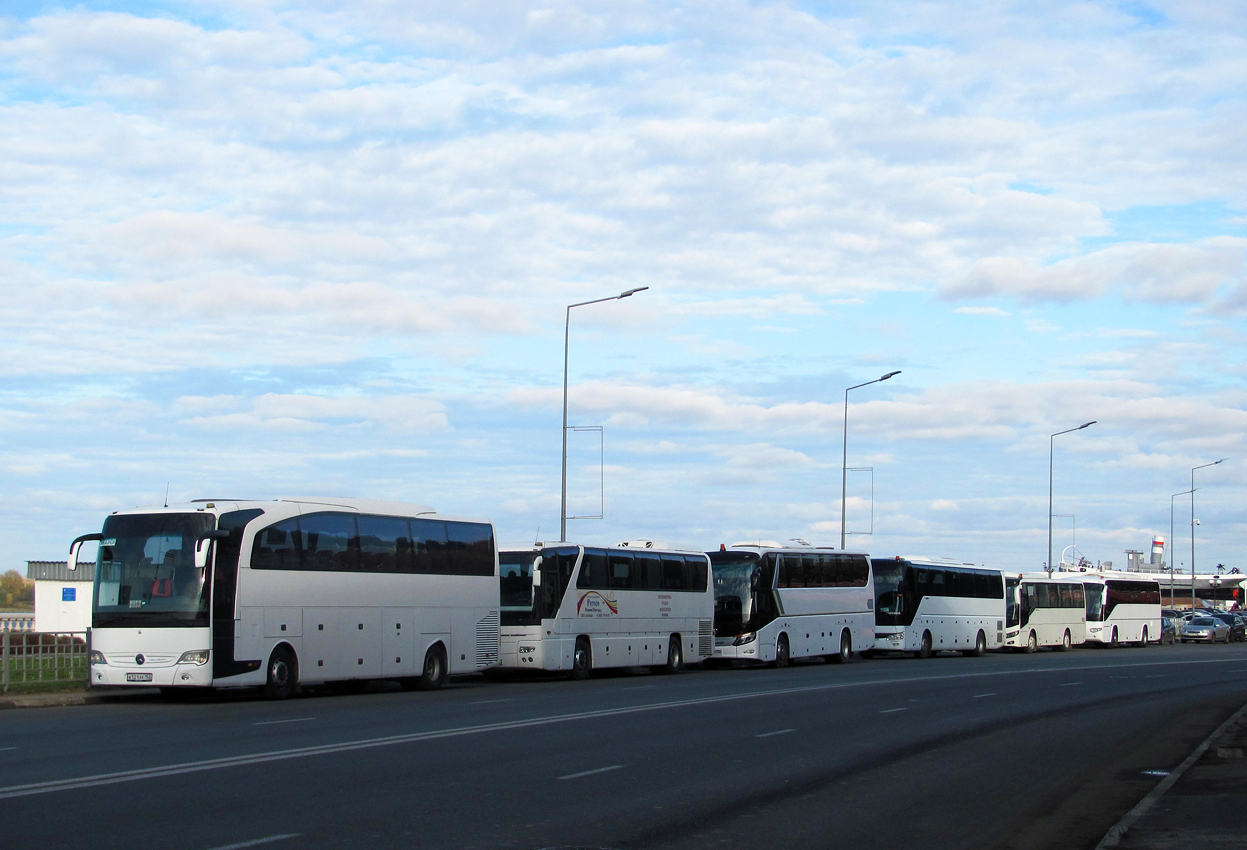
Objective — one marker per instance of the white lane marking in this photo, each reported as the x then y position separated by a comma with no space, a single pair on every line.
637,687
275,722
6,749
255,842
777,732
890,710
591,772
488,701
1067,684
980,696
412,737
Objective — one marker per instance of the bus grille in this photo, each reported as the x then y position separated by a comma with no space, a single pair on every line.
705,638
487,640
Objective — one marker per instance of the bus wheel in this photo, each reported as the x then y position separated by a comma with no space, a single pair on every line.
582,659
1031,643
845,655
924,651
1113,640
781,652
675,657
1065,642
1143,640
980,645
433,676
283,674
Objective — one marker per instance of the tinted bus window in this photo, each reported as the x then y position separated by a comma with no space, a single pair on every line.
429,540
646,571
621,570
278,547
384,545
328,542
696,568
594,571
470,549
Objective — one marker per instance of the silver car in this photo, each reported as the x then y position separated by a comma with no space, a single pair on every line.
1207,629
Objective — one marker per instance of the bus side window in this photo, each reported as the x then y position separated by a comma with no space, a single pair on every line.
696,567
470,548
594,570
646,571
330,542
673,576
621,570
383,545
429,536
277,547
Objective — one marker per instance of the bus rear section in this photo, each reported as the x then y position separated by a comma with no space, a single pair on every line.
1121,608
774,605
1044,612
930,605
574,608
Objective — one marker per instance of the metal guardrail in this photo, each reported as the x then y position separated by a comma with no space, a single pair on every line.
28,658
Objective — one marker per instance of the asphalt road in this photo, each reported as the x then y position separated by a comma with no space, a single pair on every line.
1007,751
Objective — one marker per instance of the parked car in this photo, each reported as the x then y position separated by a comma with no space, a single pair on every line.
1207,629
1168,630
1237,632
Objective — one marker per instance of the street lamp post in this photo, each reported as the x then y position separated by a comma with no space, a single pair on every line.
844,458
1051,438
1172,566
1201,466
566,336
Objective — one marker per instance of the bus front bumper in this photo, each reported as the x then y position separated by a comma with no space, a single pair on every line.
894,642
156,674
741,646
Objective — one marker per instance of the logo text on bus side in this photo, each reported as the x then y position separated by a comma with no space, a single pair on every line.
594,604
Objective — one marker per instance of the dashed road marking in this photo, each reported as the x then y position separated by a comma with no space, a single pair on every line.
591,772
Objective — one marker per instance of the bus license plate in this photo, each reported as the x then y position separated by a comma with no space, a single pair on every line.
138,677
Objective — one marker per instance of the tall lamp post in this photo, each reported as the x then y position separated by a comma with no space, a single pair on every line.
844,458
1173,566
1051,438
1201,466
566,336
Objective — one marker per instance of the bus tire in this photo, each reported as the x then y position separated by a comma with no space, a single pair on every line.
782,654
845,655
582,659
433,674
675,657
1066,643
980,646
1032,643
925,650
1112,641
1143,640
283,674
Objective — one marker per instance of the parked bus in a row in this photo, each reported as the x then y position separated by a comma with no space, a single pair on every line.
1043,611
930,605
1121,608
774,604
580,608
275,594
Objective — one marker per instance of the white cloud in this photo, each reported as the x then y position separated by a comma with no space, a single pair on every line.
984,311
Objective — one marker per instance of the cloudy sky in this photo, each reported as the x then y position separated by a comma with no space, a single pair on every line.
255,248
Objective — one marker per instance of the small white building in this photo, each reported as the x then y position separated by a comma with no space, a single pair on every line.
62,597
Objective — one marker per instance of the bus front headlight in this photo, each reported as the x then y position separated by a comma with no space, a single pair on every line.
96,657
195,656
745,638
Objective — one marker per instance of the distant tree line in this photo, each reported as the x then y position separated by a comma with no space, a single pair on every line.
16,592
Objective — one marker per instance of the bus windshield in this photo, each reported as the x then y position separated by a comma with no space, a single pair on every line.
145,572
515,570
888,594
1095,603
735,582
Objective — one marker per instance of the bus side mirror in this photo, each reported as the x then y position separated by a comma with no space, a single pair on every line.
536,578
202,547
72,563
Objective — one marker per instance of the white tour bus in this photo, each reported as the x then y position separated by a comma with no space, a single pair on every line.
579,608
929,605
278,594
1121,608
1044,611
774,604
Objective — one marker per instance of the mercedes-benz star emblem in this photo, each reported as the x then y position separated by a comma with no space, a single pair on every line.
139,659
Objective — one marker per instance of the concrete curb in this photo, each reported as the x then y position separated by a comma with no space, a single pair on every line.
74,698
1114,836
